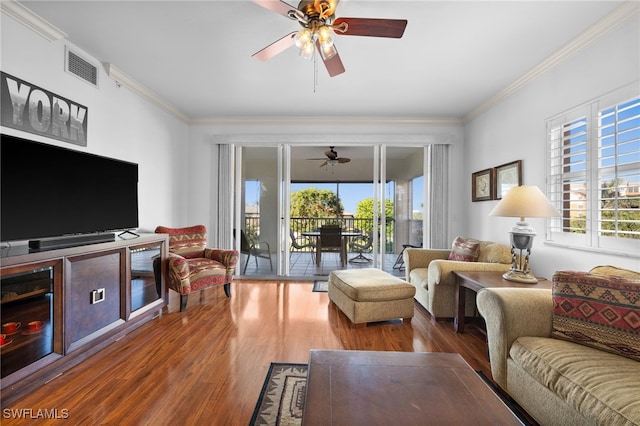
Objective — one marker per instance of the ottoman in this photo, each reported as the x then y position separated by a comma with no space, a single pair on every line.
370,295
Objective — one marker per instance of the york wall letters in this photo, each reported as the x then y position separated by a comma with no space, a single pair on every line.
32,109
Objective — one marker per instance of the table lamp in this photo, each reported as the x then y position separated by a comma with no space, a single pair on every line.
523,201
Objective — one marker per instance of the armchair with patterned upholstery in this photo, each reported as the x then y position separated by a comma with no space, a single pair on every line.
192,266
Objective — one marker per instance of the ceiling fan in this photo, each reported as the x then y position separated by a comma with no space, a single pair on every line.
319,25
332,158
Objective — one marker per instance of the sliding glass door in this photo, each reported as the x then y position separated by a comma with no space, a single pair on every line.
331,186
403,174
260,207
374,193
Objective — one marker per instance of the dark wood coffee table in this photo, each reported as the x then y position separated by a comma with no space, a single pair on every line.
398,388
476,281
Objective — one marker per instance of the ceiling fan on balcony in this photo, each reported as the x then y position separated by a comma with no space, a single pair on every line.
319,25
331,158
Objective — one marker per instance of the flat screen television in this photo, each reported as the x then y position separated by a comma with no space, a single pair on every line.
48,191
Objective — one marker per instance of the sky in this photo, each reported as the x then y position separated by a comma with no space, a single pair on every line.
350,193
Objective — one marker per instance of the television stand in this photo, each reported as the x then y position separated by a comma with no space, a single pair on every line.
71,240
87,298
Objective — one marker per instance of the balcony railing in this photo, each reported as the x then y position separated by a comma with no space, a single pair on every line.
304,224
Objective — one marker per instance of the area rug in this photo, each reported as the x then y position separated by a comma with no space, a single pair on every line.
282,396
321,286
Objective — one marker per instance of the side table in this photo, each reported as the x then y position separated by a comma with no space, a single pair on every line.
476,281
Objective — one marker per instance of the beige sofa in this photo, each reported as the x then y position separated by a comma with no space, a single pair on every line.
430,271
557,379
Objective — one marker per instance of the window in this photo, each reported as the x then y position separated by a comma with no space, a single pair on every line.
594,175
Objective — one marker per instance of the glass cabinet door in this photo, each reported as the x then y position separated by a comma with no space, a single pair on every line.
27,313
146,286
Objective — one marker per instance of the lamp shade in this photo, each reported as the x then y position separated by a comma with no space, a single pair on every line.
524,201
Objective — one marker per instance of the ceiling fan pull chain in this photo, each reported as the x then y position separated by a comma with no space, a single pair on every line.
315,70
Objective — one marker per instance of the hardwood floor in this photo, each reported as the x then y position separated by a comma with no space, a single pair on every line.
207,365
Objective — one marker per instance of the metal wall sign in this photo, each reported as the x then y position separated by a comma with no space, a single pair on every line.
27,107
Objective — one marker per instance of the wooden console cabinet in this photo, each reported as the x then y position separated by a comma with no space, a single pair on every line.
70,303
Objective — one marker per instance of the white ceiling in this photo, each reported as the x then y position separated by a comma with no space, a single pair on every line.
196,55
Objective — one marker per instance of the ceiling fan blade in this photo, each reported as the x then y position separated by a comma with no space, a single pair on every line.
276,6
333,64
393,28
275,48
343,160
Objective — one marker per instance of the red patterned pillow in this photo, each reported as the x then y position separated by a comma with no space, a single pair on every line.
601,311
465,250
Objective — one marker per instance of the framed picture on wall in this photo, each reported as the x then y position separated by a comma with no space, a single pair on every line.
482,185
506,177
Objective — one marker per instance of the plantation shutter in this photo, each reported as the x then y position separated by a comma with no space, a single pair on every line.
594,174
619,170
568,184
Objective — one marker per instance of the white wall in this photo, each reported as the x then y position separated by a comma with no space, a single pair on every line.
120,123
515,130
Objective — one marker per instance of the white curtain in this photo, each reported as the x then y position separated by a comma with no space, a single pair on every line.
223,189
437,220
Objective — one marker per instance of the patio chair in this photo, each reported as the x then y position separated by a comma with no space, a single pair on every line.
253,249
361,244
331,241
296,245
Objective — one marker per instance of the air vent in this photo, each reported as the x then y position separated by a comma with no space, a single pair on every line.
81,68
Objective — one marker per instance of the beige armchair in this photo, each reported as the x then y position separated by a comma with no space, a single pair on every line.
430,271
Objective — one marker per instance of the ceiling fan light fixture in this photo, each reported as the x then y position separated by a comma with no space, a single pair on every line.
307,51
325,36
328,51
303,37
319,28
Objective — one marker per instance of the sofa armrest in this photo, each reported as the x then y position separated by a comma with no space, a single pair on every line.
441,271
421,258
510,313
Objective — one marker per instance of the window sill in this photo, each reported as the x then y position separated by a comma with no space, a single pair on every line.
593,249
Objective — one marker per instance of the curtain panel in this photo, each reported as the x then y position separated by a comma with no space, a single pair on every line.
222,199
437,199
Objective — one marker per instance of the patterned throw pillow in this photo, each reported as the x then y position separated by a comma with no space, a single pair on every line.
601,311
465,250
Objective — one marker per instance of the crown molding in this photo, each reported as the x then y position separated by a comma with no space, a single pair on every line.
431,121
313,139
123,79
626,11
30,20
